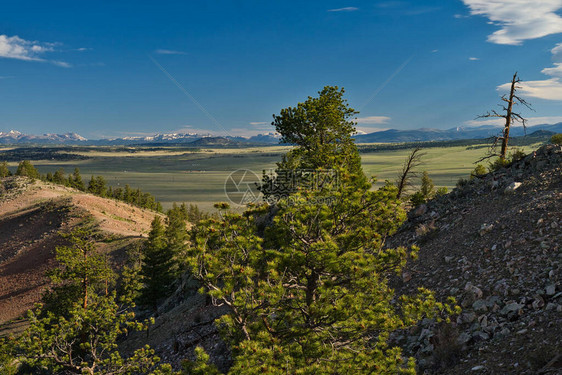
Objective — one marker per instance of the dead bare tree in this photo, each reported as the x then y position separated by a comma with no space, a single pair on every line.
412,161
510,117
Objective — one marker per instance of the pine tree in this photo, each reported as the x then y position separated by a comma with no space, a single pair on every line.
82,271
77,182
82,339
58,177
130,282
8,362
97,186
25,168
322,131
184,211
176,231
4,171
310,294
427,187
128,194
118,194
137,200
157,266
92,185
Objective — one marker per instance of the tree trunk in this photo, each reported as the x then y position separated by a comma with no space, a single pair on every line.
508,118
85,281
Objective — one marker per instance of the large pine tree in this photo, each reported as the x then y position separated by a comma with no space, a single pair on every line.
309,293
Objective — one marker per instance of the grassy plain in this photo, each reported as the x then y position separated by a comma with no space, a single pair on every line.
198,176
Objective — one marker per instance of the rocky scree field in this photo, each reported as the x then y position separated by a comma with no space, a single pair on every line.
494,244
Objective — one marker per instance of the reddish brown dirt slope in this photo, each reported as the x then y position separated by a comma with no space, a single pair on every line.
32,217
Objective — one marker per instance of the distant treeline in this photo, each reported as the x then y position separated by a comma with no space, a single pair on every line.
97,185
469,143
64,153
40,153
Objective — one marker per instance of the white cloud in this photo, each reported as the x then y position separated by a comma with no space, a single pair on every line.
63,64
556,70
260,123
474,58
557,49
169,52
14,47
530,121
519,20
373,120
549,89
345,9
487,121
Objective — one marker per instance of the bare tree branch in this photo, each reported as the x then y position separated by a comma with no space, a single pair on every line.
509,116
412,161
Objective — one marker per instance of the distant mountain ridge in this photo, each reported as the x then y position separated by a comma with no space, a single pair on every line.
422,135
195,139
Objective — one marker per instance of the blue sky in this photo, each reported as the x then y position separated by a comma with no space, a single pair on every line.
112,69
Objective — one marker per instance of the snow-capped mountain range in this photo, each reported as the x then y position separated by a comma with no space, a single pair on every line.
389,135
14,136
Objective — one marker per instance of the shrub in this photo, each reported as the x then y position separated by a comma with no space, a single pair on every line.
479,171
462,182
442,191
498,164
417,198
516,155
426,192
556,139
427,187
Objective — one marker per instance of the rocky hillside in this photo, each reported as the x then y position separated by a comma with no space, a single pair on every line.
495,245
32,216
